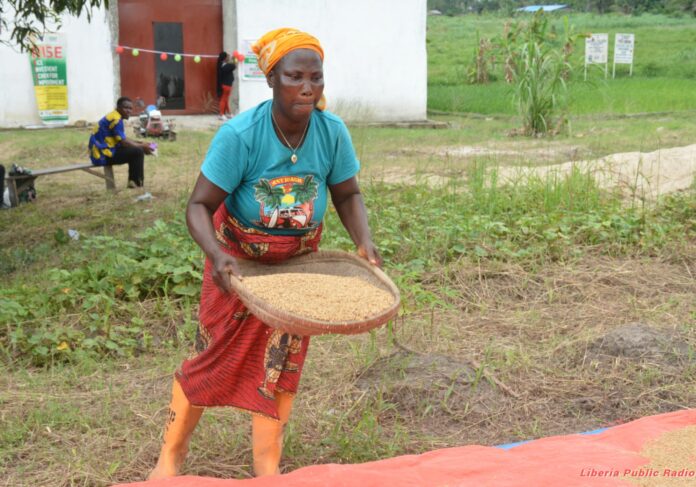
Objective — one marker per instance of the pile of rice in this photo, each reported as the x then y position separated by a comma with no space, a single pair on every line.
321,297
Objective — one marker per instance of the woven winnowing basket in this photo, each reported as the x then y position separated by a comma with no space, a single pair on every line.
329,262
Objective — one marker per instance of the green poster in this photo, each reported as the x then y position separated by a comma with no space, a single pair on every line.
50,74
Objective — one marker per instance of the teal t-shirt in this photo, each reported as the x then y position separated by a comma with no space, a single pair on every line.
266,190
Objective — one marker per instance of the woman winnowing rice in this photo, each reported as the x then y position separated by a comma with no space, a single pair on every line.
261,194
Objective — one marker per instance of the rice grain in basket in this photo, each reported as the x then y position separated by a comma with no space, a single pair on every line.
320,296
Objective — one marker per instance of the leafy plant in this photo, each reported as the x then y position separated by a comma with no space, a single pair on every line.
91,309
540,77
479,70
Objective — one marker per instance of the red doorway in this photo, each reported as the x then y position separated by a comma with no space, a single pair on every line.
164,25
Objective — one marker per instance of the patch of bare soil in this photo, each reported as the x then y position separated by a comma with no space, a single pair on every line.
566,348
191,122
404,176
432,392
473,151
506,153
640,341
643,174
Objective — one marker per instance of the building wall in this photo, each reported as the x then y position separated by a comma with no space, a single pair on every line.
229,42
375,64
90,74
201,23
377,77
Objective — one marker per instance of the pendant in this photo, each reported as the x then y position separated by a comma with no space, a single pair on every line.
293,158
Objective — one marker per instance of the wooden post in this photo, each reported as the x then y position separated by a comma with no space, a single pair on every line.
14,197
109,177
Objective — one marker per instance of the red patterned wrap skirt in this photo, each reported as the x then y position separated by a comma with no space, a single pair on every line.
239,361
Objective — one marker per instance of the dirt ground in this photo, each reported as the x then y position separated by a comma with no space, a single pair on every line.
642,174
569,348
518,355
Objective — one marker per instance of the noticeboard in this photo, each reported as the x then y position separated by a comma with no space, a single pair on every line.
49,73
623,48
596,49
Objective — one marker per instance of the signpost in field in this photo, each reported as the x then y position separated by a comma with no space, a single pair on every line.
596,49
623,52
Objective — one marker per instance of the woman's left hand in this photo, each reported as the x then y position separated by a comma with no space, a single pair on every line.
369,252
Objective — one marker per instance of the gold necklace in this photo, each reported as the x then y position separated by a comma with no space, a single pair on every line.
293,157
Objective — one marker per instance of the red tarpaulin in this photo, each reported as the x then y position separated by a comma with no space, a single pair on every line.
575,460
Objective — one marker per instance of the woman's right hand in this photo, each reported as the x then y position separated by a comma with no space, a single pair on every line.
204,201
224,265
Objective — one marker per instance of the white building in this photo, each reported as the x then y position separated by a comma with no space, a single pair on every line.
375,63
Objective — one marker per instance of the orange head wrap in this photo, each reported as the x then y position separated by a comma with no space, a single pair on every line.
277,43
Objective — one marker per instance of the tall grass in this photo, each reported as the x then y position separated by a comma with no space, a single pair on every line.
538,74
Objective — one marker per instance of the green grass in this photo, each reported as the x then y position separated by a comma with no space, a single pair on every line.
611,97
634,95
664,76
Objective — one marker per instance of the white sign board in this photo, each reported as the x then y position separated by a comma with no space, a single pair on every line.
623,49
596,49
250,66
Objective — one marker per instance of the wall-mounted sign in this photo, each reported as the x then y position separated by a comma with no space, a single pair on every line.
250,65
50,75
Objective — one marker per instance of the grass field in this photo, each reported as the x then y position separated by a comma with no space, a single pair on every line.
664,66
517,299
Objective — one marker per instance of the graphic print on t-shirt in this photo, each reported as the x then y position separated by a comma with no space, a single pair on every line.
286,201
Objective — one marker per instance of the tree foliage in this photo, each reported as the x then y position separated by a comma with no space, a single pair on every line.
634,7
28,20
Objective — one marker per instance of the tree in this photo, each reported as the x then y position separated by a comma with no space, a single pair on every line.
29,20
681,6
450,7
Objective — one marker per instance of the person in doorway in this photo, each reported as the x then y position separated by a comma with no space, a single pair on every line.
277,161
108,144
226,65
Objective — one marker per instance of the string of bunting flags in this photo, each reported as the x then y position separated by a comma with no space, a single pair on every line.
178,56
